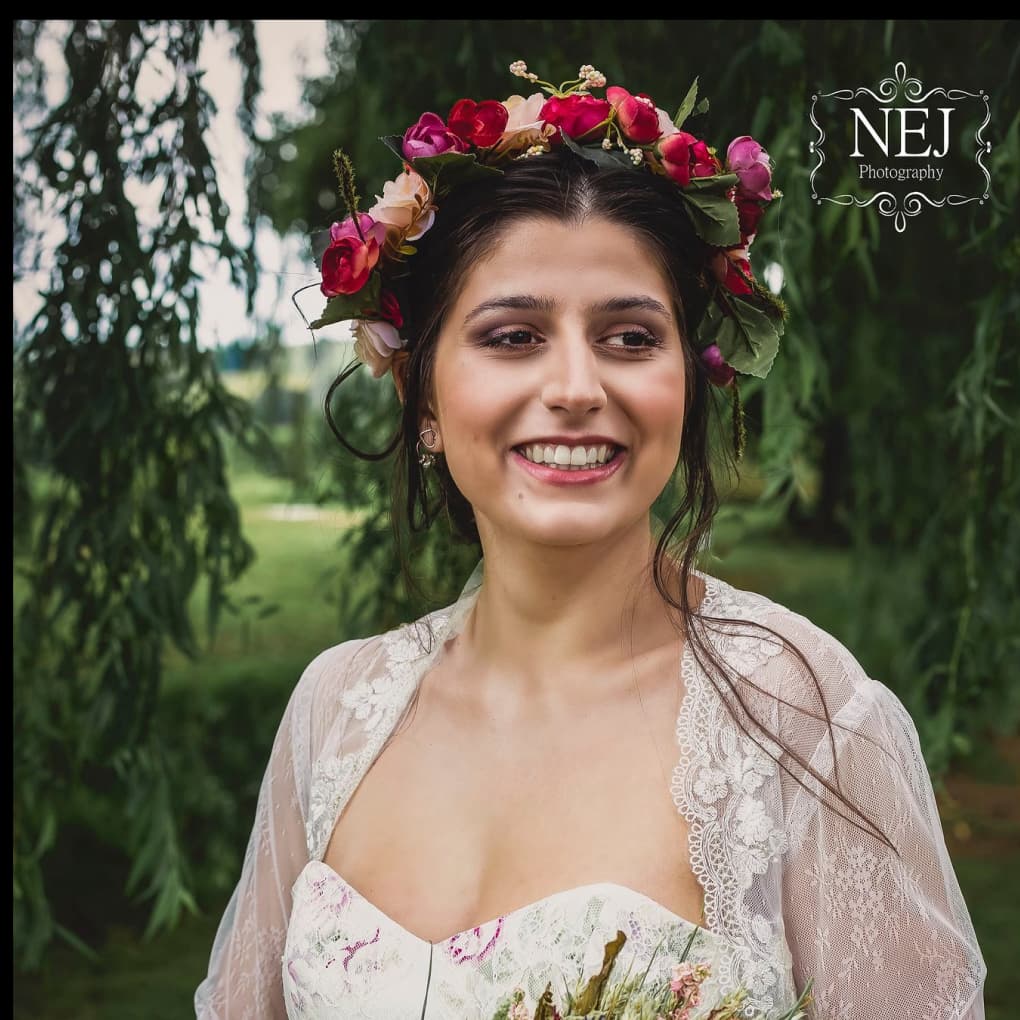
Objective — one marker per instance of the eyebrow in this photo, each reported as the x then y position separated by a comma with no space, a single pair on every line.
529,303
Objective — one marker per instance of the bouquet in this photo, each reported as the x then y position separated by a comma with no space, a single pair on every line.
628,999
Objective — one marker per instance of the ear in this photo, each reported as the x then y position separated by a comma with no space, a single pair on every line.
428,422
398,366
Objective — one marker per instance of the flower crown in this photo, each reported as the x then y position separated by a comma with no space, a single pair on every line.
368,251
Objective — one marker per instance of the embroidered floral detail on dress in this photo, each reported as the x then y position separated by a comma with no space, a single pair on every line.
475,944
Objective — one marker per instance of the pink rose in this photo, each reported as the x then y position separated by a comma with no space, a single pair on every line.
750,162
637,115
348,261
718,371
430,136
481,124
575,115
684,156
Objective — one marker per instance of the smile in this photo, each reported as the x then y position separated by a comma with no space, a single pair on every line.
566,474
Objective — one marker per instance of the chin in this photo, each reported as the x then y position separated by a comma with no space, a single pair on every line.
565,530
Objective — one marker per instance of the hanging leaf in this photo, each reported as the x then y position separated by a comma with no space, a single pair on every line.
714,218
748,338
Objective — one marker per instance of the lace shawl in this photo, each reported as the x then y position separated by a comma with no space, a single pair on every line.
797,888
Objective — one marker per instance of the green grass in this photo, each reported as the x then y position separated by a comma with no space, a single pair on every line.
157,979
292,581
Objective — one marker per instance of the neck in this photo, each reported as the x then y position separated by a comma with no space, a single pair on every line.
549,622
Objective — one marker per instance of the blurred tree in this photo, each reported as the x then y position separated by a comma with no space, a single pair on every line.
889,421
119,464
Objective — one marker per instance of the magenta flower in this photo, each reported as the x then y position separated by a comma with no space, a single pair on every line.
430,136
715,365
750,162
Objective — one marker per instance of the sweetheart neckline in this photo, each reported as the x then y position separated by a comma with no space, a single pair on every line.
559,894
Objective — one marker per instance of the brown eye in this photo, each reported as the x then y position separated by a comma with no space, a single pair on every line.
644,339
508,338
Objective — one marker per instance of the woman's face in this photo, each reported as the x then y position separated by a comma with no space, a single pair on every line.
563,340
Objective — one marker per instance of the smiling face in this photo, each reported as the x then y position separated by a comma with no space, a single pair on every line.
563,333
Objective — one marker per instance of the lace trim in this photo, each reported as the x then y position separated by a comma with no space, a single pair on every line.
718,785
376,704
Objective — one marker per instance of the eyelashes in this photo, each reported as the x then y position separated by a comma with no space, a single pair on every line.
500,341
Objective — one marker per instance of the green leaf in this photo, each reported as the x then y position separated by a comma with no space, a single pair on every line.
449,170
718,184
714,218
748,339
598,155
545,1010
687,105
701,108
345,307
589,997
395,143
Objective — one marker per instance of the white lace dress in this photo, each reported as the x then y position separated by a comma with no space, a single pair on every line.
792,889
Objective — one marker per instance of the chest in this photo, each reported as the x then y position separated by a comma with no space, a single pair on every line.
461,819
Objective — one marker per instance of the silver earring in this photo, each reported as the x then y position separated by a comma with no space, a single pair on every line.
426,459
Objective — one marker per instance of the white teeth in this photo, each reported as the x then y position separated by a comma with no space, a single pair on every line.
568,458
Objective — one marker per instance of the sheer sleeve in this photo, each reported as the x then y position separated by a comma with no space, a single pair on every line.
882,936
244,978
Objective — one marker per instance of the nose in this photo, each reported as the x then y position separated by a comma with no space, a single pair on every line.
573,378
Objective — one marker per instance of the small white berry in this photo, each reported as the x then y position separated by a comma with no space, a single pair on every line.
606,144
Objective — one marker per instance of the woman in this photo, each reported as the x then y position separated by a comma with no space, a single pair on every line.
459,816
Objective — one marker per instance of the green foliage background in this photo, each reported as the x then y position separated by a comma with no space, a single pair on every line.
888,426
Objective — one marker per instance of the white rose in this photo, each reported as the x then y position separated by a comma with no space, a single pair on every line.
405,207
375,343
666,125
524,127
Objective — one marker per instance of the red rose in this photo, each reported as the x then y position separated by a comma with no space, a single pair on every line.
749,212
575,115
724,267
390,309
482,123
636,115
348,261
684,156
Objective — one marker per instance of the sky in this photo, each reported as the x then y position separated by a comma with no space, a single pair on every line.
288,50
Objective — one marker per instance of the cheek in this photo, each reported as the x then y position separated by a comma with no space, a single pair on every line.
660,407
473,421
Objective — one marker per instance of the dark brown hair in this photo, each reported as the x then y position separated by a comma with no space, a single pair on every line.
563,186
